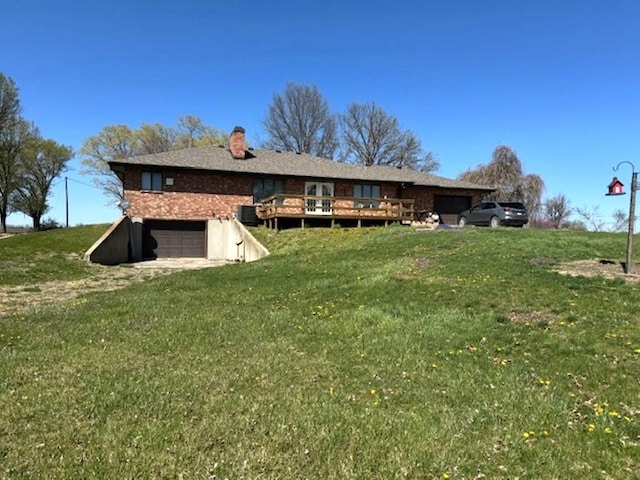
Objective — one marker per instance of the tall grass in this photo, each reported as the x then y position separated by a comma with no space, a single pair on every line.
348,353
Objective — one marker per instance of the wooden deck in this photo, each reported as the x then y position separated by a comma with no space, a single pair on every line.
310,210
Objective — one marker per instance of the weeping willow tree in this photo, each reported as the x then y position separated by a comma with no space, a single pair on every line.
504,172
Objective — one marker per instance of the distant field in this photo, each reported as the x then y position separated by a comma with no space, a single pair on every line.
348,353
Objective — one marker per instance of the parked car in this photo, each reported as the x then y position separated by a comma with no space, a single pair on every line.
494,214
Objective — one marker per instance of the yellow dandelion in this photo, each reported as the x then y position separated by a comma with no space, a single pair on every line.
591,427
607,430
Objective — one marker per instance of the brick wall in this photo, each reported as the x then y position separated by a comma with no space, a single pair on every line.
202,195
193,195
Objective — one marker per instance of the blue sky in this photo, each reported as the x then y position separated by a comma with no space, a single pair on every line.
556,81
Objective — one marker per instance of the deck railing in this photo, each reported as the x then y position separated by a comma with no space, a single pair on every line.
353,208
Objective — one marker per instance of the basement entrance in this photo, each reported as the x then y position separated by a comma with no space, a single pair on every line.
173,238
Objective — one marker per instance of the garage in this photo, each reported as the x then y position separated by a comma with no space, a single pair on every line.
449,206
175,238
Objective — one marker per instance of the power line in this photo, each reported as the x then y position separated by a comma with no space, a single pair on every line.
83,183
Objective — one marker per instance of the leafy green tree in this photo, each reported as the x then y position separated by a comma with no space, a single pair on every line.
504,172
13,133
117,142
43,160
299,120
114,142
370,136
192,132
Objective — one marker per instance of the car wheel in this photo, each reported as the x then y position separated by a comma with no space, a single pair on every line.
462,221
494,222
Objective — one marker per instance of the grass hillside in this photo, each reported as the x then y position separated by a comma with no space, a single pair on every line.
348,353
46,256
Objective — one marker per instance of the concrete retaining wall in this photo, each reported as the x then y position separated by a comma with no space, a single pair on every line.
230,240
113,247
226,240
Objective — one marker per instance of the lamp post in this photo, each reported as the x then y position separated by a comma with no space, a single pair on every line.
615,188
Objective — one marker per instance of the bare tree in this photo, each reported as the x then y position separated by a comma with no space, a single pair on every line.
531,192
590,216
117,142
557,210
370,136
504,172
13,133
620,221
42,162
299,120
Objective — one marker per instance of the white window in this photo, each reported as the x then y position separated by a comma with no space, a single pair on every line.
318,198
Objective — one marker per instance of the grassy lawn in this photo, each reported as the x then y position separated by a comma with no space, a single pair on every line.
348,353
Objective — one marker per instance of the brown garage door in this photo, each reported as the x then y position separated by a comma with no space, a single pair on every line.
174,239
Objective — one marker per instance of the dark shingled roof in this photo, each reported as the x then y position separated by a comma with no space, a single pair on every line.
289,164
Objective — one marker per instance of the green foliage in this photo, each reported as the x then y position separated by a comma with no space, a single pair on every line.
117,142
28,162
13,131
348,353
42,161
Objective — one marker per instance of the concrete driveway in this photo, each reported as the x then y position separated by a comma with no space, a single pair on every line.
180,263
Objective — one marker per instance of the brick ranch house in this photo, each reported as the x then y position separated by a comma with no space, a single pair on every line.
176,196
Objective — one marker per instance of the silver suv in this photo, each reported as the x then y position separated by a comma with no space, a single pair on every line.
494,214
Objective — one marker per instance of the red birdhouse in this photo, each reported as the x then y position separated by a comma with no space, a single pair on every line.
616,187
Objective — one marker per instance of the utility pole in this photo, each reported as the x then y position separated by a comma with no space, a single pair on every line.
66,198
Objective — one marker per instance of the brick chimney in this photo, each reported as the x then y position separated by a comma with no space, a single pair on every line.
237,144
